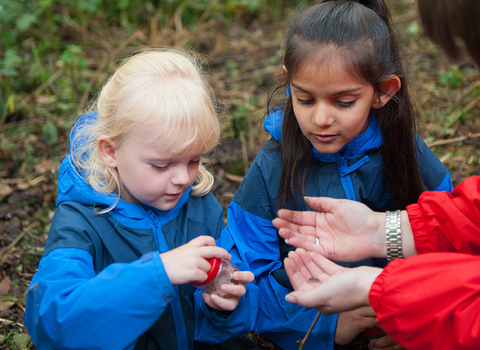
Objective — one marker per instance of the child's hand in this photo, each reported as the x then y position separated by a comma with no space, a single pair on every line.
188,263
234,291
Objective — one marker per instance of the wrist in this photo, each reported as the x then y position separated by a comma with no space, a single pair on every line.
378,235
368,276
407,236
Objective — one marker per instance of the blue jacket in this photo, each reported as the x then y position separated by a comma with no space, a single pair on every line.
101,283
356,173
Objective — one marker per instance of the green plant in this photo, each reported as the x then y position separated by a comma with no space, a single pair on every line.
238,118
451,78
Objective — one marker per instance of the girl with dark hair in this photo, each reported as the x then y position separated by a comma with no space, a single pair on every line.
347,130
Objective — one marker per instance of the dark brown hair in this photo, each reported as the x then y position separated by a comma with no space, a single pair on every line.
361,32
453,25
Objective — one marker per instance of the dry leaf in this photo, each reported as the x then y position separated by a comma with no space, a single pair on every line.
5,285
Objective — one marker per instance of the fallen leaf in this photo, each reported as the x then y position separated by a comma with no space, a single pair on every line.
5,190
5,285
5,305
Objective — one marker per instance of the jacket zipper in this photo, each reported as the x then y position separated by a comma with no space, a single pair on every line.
180,329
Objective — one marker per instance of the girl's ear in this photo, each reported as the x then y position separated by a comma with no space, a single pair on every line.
284,71
388,89
106,147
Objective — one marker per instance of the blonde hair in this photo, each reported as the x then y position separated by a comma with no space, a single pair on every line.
167,90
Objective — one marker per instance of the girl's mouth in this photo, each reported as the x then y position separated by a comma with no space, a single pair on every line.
325,138
173,196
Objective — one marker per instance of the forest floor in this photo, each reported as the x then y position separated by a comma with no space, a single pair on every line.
244,64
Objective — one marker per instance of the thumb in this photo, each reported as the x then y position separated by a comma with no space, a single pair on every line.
291,298
300,298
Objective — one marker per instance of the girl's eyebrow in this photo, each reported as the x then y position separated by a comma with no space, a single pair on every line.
346,91
157,160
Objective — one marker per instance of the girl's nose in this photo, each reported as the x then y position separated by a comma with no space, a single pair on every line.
181,176
322,115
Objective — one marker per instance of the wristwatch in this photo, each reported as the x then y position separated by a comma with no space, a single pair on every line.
394,235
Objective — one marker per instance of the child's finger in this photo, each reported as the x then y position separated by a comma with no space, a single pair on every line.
233,290
219,303
201,241
207,252
223,303
243,276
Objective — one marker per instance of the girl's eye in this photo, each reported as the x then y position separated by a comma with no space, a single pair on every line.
346,104
305,102
159,168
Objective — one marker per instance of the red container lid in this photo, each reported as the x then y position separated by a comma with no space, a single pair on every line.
215,264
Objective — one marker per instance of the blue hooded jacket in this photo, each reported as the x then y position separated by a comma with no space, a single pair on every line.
101,283
356,173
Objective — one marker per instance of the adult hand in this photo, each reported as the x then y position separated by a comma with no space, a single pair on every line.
339,229
321,284
352,323
188,263
384,343
233,292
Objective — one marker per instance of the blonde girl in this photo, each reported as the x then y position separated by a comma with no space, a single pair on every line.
136,221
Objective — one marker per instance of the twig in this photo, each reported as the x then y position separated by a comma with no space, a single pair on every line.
102,66
5,321
6,251
24,122
461,111
455,139
49,81
243,142
247,76
207,11
304,340
92,37
177,15
233,178
405,17
468,90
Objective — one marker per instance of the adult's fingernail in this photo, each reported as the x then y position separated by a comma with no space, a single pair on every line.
286,240
290,299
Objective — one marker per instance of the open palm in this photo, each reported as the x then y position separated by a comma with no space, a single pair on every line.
340,230
330,288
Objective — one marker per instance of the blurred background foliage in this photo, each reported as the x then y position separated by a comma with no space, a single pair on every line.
47,45
56,54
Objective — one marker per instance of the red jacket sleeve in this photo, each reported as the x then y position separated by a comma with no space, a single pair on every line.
430,301
448,222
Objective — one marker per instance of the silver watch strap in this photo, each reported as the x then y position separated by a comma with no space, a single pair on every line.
394,235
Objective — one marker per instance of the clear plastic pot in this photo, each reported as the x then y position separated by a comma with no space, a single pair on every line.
221,272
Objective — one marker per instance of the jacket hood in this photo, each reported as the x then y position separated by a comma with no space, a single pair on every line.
367,141
72,186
